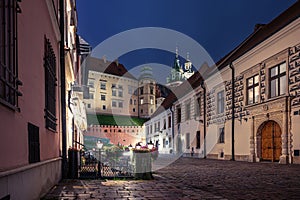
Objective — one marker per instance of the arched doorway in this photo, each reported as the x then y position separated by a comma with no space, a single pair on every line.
271,141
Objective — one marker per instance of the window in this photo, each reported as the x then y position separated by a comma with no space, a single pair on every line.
278,80
151,129
8,54
164,142
165,124
188,111
141,90
91,83
120,93
221,135
33,143
103,107
133,110
130,101
142,101
120,104
134,102
198,106
158,126
187,141
114,92
114,103
89,105
50,86
178,115
252,89
113,85
169,121
120,87
151,100
142,111
102,85
151,90
220,102
130,90
198,140
170,142
147,130
91,95
102,97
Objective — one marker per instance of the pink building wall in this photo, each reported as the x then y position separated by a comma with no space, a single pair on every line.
34,24
124,135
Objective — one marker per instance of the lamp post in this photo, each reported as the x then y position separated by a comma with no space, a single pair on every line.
99,146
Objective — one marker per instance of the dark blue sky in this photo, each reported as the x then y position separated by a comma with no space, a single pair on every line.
217,25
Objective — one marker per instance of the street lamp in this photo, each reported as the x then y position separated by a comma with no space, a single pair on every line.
99,146
138,146
150,145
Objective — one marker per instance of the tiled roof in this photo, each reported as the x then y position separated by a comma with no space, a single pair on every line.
113,68
193,82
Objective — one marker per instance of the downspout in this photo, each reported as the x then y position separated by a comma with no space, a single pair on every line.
204,119
172,119
63,89
232,111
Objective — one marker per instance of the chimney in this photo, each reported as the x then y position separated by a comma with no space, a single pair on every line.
104,58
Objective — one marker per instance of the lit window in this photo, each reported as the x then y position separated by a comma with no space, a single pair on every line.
252,89
142,101
278,80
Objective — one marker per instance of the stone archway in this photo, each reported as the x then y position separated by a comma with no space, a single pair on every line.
269,141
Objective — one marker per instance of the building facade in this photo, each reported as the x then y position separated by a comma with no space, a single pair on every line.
246,106
29,110
31,94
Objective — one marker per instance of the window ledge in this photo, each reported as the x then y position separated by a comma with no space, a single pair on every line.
9,106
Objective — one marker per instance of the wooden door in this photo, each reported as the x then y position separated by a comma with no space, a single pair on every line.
271,141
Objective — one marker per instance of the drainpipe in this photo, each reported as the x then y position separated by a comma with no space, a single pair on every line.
172,119
204,118
232,110
63,89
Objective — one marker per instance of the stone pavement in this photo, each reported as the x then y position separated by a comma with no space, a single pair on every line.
191,178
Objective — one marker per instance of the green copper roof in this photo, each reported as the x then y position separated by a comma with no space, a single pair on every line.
113,120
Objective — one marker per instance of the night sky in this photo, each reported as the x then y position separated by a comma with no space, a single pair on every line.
217,25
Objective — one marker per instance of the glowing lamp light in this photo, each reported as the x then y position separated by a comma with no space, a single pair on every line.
150,145
138,146
99,144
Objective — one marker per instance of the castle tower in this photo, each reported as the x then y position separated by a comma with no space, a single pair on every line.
146,93
188,71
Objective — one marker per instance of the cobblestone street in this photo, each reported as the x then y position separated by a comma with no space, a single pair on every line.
189,178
